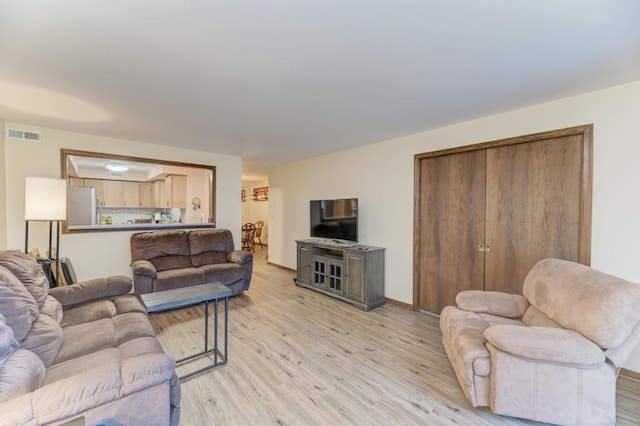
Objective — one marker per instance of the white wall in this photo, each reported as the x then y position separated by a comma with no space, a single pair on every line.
105,253
381,176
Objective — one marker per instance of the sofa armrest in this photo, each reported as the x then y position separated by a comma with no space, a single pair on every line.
239,257
89,389
98,288
492,302
547,344
144,267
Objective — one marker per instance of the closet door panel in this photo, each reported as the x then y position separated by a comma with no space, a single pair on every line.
451,205
533,208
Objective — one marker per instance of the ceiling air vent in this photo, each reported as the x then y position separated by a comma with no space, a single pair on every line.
23,135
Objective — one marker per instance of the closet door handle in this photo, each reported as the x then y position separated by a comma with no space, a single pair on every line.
487,248
481,248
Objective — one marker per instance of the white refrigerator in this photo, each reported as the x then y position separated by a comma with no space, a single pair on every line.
82,206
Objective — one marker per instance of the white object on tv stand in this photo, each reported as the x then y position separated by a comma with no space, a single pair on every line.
351,272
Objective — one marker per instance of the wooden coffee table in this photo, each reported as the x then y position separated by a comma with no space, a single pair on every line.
187,296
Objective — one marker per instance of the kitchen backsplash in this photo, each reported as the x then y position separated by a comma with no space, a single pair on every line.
127,216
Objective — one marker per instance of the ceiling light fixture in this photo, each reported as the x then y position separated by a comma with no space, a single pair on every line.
117,167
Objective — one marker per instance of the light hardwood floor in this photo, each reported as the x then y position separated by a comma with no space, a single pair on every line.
297,357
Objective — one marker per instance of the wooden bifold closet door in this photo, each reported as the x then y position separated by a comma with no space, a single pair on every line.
485,214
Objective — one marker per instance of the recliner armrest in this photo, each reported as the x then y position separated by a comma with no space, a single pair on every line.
239,257
554,345
98,288
492,302
144,267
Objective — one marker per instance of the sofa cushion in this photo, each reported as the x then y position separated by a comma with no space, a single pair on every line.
88,312
177,278
210,246
164,249
553,345
52,308
17,305
20,373
492,302
8,343
496,320
100,309
102,324
87,362
29,272
533,316
85,338
44,339
224,273
554,284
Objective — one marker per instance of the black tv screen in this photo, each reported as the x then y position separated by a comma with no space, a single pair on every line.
334,219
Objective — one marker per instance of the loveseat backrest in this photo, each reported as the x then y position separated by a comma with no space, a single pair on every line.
210,246
601,307
164,249
29,272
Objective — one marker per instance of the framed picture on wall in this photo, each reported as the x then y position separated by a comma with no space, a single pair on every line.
261,193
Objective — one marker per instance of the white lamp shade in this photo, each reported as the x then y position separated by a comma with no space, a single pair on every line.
45,198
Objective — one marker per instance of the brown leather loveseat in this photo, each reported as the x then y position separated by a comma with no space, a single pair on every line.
164,260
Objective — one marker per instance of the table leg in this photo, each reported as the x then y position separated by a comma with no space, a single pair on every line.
219,358
215,339
226,327
206,325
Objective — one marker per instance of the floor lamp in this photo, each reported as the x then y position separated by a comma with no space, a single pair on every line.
45,199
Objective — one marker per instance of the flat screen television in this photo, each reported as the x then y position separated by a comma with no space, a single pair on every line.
334,219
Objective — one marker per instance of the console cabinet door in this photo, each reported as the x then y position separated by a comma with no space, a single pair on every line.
304,263
355,280
335,276
319,273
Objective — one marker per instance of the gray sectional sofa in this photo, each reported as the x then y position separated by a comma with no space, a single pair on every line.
164,260
85,350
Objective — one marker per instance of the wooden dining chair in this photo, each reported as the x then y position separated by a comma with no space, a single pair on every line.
259,225
248,237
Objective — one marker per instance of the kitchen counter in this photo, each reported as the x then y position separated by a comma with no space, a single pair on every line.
136,227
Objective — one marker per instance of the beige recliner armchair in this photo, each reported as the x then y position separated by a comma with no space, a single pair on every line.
551,355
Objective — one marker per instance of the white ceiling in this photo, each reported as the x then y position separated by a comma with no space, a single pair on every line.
276,81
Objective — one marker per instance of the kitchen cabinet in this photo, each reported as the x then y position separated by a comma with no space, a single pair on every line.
113,193
74,181
159,195
146,194
130,194
176,191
